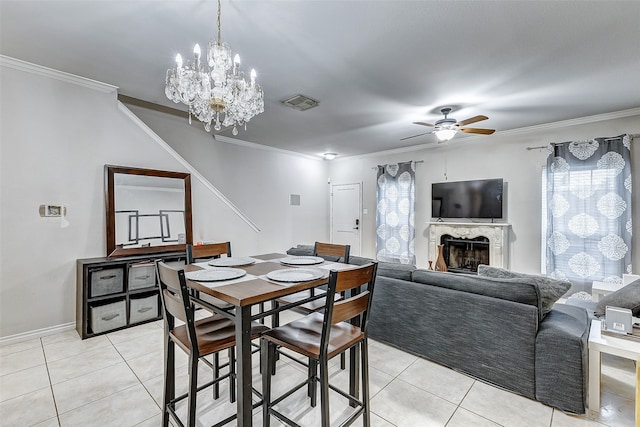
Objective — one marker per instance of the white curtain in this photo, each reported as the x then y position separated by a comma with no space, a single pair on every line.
395,213
588,234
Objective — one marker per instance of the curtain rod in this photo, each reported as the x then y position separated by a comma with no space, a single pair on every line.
414,161
631,135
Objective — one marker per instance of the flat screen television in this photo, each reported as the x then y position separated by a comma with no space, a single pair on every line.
467,199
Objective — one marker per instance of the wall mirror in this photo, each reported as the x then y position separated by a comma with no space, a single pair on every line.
148,211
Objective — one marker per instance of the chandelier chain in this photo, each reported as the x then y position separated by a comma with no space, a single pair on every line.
219,38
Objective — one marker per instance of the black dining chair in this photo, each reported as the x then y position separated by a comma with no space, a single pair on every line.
330,252
197,338
207,251
322,336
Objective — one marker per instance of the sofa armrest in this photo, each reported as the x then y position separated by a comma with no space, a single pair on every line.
562,358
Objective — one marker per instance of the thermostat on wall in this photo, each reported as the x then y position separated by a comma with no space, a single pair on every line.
52,210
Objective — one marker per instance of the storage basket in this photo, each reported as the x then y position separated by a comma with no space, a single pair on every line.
142,276
141,309
108,316
106,281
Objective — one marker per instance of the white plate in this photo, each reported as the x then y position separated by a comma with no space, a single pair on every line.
215,274
296,274
302,260
231,262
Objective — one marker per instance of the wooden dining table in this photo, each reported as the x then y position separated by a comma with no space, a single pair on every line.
255,290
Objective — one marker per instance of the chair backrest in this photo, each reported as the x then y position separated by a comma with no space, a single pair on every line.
332,250
360,281
209,250
174,295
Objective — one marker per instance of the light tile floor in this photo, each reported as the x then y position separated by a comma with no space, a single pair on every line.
116,380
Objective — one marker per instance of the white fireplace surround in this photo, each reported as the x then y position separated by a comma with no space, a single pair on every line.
497,233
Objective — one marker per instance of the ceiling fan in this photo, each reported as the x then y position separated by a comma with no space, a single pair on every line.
446,128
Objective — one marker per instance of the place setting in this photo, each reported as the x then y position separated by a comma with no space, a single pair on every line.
210,276
296,275
231,262
302,260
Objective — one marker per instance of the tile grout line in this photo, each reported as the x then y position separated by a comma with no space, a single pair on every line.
53,395
135,374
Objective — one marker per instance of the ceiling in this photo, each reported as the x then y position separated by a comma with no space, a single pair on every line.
375,66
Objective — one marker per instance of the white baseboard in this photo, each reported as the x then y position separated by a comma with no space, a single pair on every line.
38,333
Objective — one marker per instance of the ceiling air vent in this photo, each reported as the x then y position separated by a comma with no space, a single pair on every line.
300,102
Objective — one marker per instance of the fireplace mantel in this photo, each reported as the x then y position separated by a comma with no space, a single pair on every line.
497,233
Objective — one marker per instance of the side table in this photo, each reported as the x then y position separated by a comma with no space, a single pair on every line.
603,288
598,344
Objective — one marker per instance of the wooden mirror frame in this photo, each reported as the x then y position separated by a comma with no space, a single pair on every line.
109,179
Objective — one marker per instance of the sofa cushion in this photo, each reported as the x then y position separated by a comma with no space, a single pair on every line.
301,250
626,297
549,290
395,271
507,289
356,260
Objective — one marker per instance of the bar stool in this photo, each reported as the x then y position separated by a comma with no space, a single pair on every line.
208,251
322,336
328,251
197,338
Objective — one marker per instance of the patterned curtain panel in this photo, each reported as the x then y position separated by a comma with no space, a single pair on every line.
589,211
395,213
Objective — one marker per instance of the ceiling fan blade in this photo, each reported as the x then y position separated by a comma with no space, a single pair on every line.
414,136
477,130
472,120
424,124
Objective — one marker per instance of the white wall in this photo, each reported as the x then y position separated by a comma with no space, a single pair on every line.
496,156
55,138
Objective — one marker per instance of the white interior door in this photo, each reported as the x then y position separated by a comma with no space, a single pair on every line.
346,202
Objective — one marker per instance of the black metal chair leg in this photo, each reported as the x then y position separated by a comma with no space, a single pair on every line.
343,361
324,392
274,358
266,360
312,388
169,380
193,388
232,374
275,322
216,374
364,356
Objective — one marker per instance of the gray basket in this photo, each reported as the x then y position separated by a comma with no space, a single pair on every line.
107,317
106,281
141,309
142,276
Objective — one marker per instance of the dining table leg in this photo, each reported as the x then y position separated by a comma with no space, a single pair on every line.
243,357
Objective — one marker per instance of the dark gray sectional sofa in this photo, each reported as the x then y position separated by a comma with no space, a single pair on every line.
505,331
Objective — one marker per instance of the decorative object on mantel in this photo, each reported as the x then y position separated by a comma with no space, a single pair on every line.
441,265
430,265
219,88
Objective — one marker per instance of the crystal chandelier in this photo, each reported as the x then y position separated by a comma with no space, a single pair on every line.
217,91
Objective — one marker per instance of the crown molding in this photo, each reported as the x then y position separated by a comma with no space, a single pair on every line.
18,64
226,139
574,122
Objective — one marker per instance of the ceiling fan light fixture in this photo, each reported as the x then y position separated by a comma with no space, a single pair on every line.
445,134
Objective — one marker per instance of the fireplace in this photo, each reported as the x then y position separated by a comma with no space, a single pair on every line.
471,244
464,255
